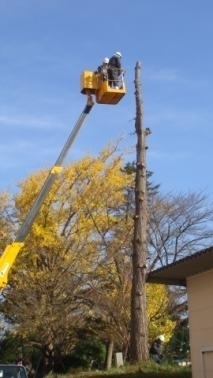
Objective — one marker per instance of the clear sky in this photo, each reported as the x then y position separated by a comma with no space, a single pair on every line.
46,44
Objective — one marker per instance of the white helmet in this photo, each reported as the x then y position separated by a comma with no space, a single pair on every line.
118,54
161,338
106,60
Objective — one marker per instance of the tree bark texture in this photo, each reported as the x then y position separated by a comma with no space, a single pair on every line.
109,355
138,340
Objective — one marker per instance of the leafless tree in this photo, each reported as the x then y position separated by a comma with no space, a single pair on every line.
179,225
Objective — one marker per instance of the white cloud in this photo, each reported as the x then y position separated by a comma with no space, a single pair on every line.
164,74
28,121
180,118
157,154
172,75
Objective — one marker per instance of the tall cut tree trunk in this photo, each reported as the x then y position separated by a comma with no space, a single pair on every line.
138,339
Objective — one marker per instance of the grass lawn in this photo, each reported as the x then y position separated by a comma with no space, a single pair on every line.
146,371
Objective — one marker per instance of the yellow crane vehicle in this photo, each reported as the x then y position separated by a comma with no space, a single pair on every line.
93,86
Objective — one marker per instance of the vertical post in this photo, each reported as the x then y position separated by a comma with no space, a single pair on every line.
138,338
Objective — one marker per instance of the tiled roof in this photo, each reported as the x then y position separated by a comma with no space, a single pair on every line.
176,273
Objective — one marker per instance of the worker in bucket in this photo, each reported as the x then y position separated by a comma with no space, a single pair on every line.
115,71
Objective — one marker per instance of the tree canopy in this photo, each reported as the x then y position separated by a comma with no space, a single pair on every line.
74,271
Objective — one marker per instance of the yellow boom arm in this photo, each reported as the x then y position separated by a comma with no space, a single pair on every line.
7,259
91,84
11,251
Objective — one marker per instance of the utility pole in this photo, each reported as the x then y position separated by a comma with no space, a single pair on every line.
139,338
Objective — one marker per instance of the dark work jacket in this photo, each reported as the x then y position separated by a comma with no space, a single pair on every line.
115,62
155,348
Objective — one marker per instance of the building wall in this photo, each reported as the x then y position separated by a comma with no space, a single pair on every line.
200,303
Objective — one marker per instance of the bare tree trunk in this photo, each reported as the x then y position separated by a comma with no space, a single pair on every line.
138,339
109,355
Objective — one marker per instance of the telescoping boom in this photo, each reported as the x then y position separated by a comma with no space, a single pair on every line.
91,84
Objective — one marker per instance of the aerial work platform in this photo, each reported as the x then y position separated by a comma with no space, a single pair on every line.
101,88
93,84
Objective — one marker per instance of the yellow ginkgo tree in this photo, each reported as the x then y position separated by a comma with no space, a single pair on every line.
70,241
76,261
159,321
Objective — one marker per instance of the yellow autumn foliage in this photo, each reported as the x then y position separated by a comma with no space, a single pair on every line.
157,312
76,259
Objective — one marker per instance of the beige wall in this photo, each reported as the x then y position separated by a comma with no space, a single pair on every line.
200,302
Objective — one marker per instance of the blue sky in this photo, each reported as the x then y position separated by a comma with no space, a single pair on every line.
46,44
